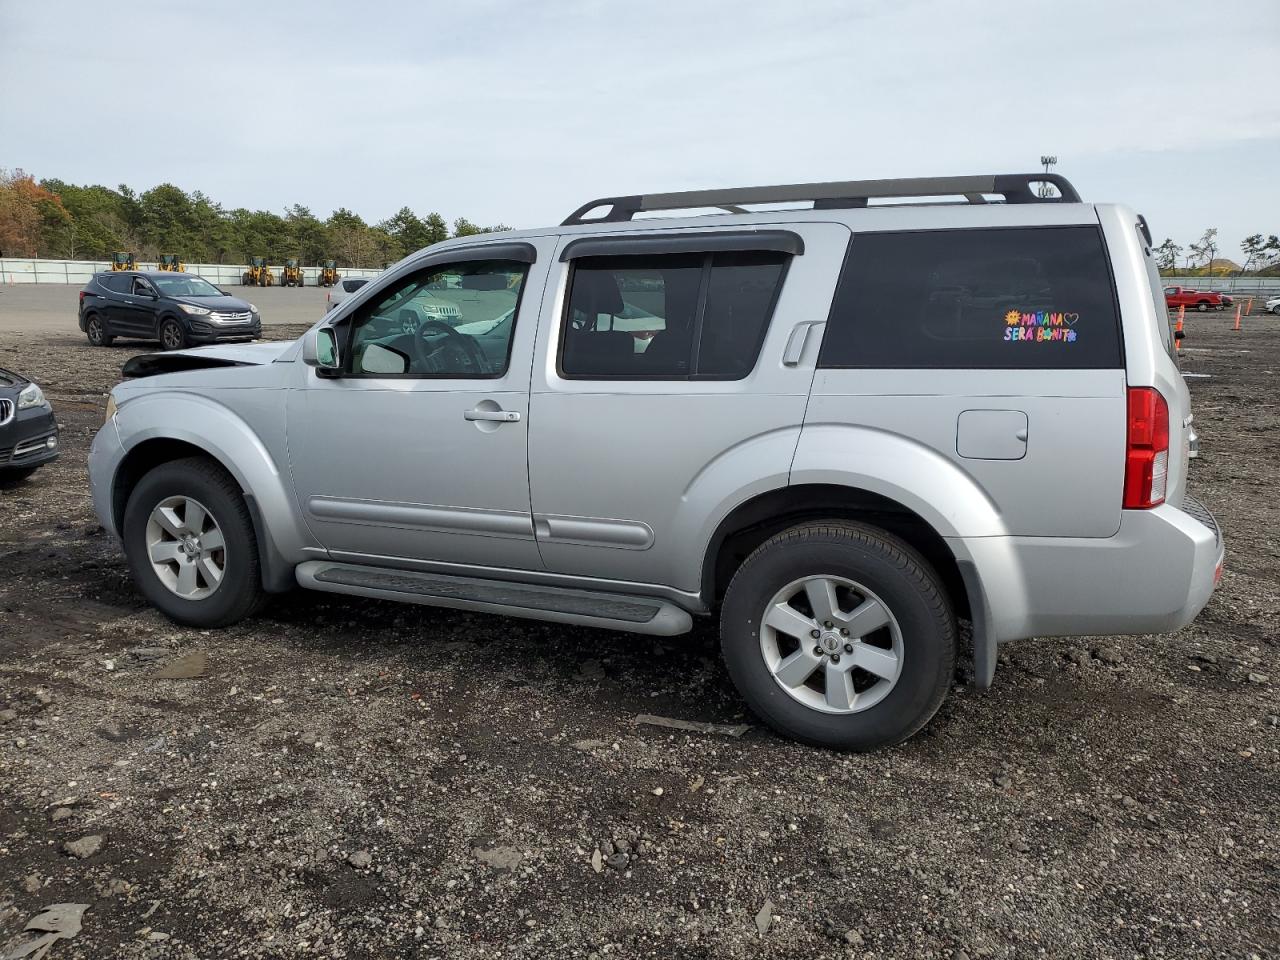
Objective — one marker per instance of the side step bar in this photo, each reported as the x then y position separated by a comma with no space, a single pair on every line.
581,607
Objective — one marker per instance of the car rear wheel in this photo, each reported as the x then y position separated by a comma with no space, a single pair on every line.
96,331
190,544
839,635
1202,307
172,336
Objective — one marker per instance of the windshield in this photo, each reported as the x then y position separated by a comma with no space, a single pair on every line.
186,287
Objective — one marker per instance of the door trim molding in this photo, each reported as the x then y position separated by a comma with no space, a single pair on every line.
422,516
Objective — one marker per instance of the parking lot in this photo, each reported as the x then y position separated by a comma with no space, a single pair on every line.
349,778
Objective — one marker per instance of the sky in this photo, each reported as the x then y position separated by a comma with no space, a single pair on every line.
518,111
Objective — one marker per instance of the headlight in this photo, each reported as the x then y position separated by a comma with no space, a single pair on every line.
111,409
193,310
31,396
253,308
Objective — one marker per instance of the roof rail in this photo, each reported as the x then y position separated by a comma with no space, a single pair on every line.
1014,187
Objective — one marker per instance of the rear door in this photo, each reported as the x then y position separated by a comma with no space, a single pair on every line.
115,289
663,383
1000,348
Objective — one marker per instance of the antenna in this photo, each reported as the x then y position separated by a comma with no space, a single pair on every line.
1046,189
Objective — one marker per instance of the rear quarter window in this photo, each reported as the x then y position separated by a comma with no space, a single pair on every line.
117,282
994,298
351,286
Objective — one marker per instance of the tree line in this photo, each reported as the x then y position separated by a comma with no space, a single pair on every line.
59,220
1200,258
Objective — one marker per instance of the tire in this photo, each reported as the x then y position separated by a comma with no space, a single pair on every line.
238,594
1276,310
96,330
172,335
920,636
1202,307
12,476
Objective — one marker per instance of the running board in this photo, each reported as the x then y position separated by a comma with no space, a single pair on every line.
585,608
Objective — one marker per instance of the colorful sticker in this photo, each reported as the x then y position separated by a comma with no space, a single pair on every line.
1040,326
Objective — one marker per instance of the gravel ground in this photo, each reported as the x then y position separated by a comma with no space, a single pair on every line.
361,779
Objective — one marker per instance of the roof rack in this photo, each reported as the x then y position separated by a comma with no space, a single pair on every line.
1014,187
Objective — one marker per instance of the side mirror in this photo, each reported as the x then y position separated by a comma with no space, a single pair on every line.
320,350
1179,335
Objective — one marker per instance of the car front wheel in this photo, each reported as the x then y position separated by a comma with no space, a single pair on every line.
839,635
190,544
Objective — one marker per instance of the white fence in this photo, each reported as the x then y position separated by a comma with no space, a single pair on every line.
1236,286
14,270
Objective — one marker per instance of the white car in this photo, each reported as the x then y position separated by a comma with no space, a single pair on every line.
341,290
1273,306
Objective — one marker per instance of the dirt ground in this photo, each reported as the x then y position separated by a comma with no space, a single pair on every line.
361,779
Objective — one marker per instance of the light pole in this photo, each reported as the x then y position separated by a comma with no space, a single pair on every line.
1046,188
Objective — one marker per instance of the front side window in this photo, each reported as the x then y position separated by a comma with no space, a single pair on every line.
452,320
672,316
1004,298
141,287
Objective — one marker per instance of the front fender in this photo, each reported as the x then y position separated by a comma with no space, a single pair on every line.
914,475
225,436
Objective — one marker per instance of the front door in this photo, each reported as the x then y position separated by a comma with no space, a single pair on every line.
418,453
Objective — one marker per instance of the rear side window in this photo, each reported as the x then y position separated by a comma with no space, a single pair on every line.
116,282
351,286
1002,298
678,316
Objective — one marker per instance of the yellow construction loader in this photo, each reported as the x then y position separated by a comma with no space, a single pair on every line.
123,261
328,273
291,276
171,263
258,274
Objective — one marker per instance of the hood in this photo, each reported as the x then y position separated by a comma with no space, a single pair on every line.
11,381
199,358
224,303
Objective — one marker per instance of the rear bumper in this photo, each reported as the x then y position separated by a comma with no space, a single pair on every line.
1154,576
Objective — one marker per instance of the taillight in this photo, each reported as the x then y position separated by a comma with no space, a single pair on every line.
1146,466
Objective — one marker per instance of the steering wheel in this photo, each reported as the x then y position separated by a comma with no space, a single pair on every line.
435,357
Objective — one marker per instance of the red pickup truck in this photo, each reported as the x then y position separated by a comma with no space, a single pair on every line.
1201,300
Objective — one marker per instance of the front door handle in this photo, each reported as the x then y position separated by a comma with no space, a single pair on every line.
501,416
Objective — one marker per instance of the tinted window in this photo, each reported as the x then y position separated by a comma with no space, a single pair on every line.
443,321
669,316
1007,298
351,286
116,282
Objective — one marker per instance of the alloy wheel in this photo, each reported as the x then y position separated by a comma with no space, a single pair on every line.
831,644
186,547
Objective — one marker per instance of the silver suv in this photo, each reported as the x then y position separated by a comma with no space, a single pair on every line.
839,428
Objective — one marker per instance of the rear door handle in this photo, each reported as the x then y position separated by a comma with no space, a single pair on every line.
795,343
501,416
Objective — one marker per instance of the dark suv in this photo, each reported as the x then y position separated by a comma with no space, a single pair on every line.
28,431
175,308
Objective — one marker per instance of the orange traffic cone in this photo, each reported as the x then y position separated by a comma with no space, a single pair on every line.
1237,326
1177,336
